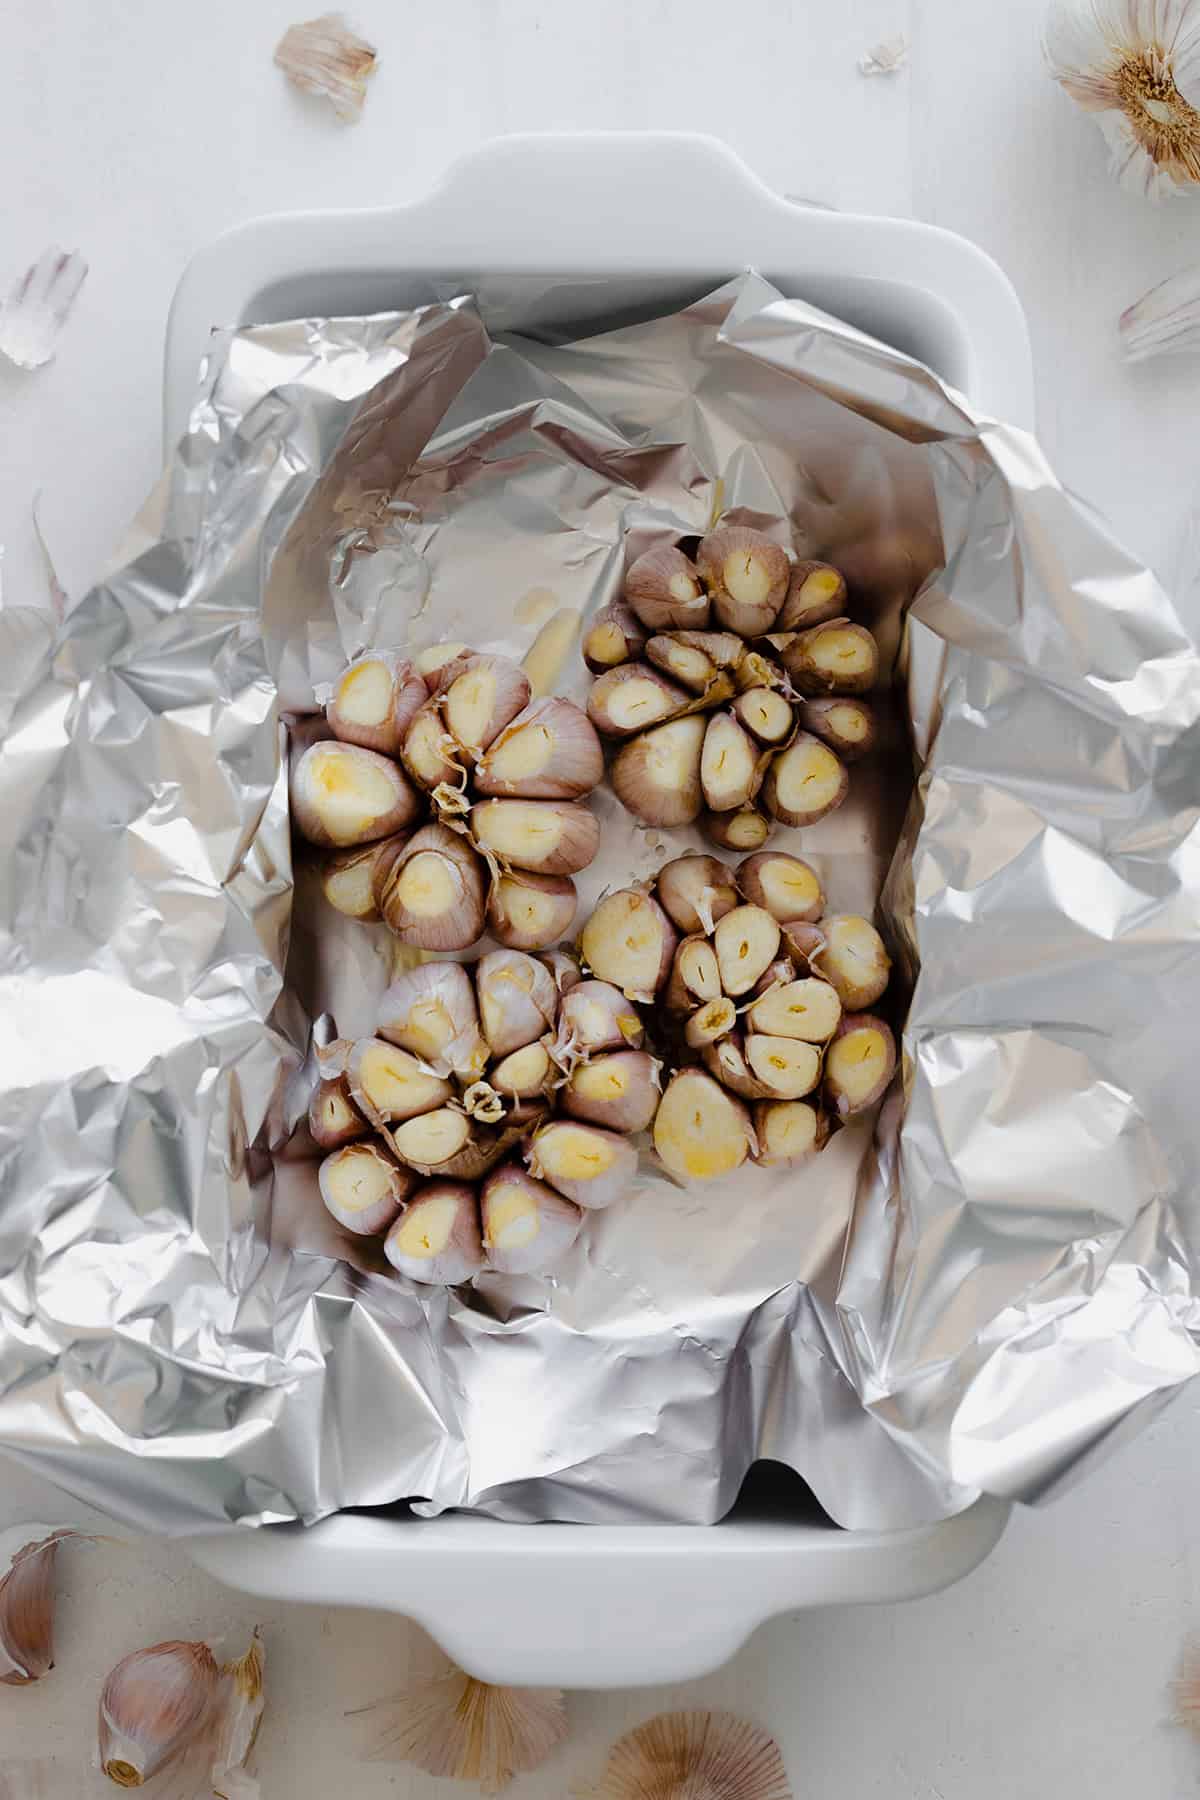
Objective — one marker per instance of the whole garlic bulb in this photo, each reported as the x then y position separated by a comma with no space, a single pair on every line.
1135,64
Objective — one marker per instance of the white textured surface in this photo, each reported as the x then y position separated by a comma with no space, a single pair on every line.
138,132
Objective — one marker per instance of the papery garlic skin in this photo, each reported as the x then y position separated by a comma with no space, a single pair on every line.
241,1701
28,1554
152,1706
323,56
1165,321
38,307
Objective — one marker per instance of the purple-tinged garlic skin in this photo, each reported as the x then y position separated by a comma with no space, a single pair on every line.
747,576
434,895
437,1240
747,829
853,959
632,698
518,1000
527,911
786,886
629,941
333,1118
838,657
859,1064
27,1597
364,1189
343,795
844,722
153,1705
804,782
663,590
429,753
816,594
430,1011
656,776
564,967
527,1226
616,635
375,700
695,891
619,1091
550,751
587,1164
551,837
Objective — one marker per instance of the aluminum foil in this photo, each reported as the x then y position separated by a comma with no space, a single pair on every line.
979,1291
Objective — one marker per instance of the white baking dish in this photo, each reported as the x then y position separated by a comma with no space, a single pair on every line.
664,216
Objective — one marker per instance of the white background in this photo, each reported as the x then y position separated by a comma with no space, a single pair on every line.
137,131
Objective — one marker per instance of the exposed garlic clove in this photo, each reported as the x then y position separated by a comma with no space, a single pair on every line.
765,714
524,1074
430,663
620,1091
240,1704
615,636
430,1011
429,753
695,975
746,941
725,1060
632,698
591,1166
656,776
779,640
387,1083
549,752
518,1000
343,795
785,885
816,593
153,1705
747,829
437,1241
433,895
490,1144
853,959
432,1140
348,878
685,663
564,967
859,1064
27,1595
756,670
484,697
695,891
663,590
375,700
333,1118
807,1009
836,658
747,577
785,1067
528,911
554,837
629,941
363,1189
805,782
701,1131
596,1016
845,724
709,1023
729,774
527,1227
788,1131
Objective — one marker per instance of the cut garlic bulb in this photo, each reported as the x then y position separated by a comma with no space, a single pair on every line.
619,1091
363,1188
629,941
747,829
348,877
710,1023
591,1166
527,911
484,697
437,1239
527,1227
838,657
430,1011
765,713
783,1067
692,1756
816,593
152,1706
729,773
808,1009
695,975
466,1730
429,752
433,1142
701,1131
847,725
333,1118
375,700
342,795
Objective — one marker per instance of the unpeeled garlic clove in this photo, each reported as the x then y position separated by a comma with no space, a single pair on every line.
853,959
433,894
518,1000
433,1141
692,667
375,700
785,885
747,577
616,635
152,1706
756,670
550,751
430,1011
725,649
808,1009
564,967
342,795
333,1118
725,1060
488,1145
785,1067
591,1166
553,837
656,776
430,663
695,975
710,1022
632,698
695,891
348,877
663,589
524,1074
620,1091
527,1227
387,1083
527,911
835,658
596,1016
788,1131
729,775
804,944
859,1064
746,829
240,1704
805,782
481,699
629,941
437,1241
746,942
816,593
845,724
363,1188
765,714
429,753
27,1596
701,1131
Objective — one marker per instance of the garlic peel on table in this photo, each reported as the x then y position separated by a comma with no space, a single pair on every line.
28,1558
1165,321
692,1756
454,1726
325,57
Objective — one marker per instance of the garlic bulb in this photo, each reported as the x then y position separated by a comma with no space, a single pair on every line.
692,1756
153,1705
467,1730
1135,64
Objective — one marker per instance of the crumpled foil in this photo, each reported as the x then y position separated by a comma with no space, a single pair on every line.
978,1291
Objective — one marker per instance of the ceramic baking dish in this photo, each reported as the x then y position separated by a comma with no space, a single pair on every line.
568,1605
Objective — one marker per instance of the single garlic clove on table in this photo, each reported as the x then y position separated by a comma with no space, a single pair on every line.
343,795
785,885
554,837
619,1091
656,776
663,590
805,782
629,941
746,942
859,1064
701,1131
591,1166
432,894
747,576
695,891
363,1188
375,700
632,698
437,1240
550,751
153,1705
527,911
527,1227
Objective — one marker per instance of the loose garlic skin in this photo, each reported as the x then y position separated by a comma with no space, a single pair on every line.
816,593
550,837
343,795
375,700
805,782
616,635
527,1226
701,1131
550,751
437,1240
835,658
656,776
363,1189
619,1091
747,576
788,1131
663,590
695,891
853,959
527,911
859,1064
632,698
589,1165
629,941
847,725
786,886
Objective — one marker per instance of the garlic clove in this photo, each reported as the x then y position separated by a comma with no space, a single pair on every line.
348,878
785,885
524,1074
363,1189
591,1166
845,724
333,1118
553,837
437,1241
746,941
486,1145
710,1022
343,795
564,967
240,1704
859,1064
518,1000
816,593
616,635
27,1596
152,1706
629,941
596,1016
656,776
663,590
527,1226
695,891
549,752
852,957
724,649
620,1091
700,1130
430,1011
776,974
481,699
756,670
765,714
785,1068
374,701
807,1009
805,782
429,753
725,1060
747,577
729,775
530,912
430,663
788,1131
835,658
432,1140
387,1083
695,975
433,894
747,829
632,698
687,664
